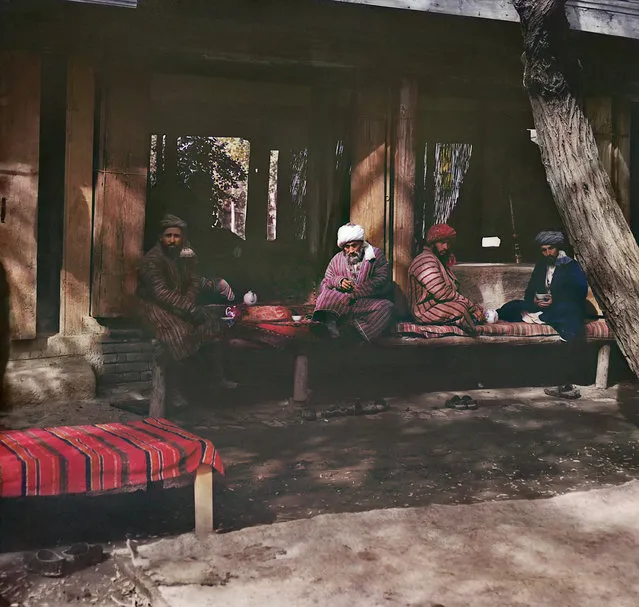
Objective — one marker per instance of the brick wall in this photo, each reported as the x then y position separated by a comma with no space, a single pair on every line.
126,362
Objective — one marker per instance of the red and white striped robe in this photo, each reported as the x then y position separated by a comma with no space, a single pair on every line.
168,290
433,295
368,306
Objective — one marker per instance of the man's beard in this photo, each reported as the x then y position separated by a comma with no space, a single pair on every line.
443,257
172,251
550,260
354,258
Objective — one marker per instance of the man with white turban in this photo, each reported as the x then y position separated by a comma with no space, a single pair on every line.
556,296
356,287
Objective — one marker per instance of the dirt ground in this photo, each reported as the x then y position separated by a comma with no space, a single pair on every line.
519,444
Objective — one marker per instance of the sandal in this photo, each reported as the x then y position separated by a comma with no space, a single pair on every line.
376,406
454,402
48,563
469,402
83,555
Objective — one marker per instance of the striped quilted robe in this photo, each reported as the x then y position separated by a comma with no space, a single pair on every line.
434,298
168,290
367,307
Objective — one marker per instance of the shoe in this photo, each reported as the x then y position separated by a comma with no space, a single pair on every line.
566,391
47,563
83,555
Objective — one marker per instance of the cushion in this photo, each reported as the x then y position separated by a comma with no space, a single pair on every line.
412,328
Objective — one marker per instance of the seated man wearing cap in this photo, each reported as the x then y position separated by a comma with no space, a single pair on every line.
433,290
356,287
556,296
168,291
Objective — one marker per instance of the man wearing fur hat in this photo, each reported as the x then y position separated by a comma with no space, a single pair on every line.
556,296
356,287
168,291
434,295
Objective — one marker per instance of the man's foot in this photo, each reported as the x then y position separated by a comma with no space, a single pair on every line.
566,391
332,329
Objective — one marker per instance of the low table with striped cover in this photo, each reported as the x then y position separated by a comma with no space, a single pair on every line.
104,458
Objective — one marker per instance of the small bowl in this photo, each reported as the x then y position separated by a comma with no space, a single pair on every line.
296,318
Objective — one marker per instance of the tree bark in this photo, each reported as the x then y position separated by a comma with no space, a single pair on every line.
582,189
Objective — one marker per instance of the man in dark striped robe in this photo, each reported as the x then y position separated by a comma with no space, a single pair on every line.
433,289
356,287
168,291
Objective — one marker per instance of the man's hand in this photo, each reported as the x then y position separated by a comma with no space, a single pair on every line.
543,303
346,285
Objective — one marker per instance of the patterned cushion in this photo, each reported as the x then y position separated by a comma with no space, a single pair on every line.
411,328
260,314
515,329
597,329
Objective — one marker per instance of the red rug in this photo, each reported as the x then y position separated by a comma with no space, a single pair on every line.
103,457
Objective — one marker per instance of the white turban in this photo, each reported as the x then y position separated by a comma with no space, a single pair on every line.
349,233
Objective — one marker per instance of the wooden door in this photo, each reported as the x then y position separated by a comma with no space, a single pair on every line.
120,196
19,158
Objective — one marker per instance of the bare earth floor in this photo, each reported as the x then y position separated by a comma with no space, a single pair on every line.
519,445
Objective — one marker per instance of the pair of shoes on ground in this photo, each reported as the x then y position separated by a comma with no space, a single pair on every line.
58,564
356,408
461,404
566,391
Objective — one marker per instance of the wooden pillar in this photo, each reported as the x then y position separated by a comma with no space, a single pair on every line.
284,196
404,184
120,197
257,196
203,498
75,281
610,121
369,200
603,365
20,74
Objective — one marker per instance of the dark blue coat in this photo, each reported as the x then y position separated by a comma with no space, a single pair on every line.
568,288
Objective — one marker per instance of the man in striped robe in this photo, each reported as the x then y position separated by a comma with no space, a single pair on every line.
356,287
168,291
433,289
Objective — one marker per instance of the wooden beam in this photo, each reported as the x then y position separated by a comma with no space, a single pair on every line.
75,281
20,74
368,173
404,184
608,17
203,493
120,197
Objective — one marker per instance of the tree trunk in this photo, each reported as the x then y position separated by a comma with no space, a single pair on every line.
582,190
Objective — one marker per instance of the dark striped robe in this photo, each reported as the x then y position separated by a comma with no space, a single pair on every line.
433,295
168,290
368,307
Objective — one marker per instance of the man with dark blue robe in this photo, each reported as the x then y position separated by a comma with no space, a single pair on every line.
556,295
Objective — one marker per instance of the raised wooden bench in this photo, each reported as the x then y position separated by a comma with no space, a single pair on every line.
108,458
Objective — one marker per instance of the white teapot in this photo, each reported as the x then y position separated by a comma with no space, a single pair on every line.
250,298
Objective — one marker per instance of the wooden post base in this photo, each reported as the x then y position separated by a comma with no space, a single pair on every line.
157,400
300,380
203,489
603,365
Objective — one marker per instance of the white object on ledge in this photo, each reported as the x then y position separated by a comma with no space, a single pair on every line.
250,298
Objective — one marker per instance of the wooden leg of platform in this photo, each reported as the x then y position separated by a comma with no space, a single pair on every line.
157,400
603,364
300,381
203,501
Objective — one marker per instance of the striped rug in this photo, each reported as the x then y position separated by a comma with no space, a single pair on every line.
99,458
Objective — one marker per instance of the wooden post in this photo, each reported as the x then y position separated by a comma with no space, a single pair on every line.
75,280
404,186
368,174
300,380
120,197
603,364
157,400
20,74
621,154
257,198
284,197
203,490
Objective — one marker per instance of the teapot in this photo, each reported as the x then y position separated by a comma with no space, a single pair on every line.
250,298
